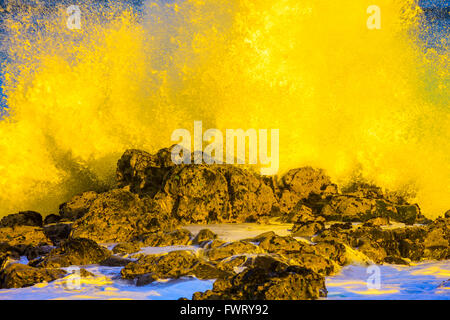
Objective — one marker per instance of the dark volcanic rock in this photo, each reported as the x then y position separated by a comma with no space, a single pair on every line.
77,251
197,193
78,206
273,243
25,218
126,247
142,171
230,249
18,276
292,283
173,265
355,209
119,215
299,184
35,252
203,236
115,261
23,235
307,229
250,197
58,232
333,250
179,237
52,218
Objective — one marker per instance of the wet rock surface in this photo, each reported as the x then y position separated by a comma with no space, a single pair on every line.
119,215
18,276
73,252
25,218
271,283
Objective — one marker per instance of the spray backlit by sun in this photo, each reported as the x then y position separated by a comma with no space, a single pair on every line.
371,104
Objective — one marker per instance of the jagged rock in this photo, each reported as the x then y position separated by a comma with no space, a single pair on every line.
115,261
411,249
300,213
436,245
213,244
8,251
143,172
230,264
197,193
173,265
314,262
179,237
203,236
78,206
18,276
35,252
374,251
275,244
377,222
126,248
58,232
405,213
341,226
354,209
250,198
204,270
23,235
231,249
299,184
200,194
307,229
293,283
24,218
52,218
333,250
76,251
119,215
364,190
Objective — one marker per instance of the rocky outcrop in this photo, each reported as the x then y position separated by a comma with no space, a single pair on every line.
231,249
126,248
119,215
173,265
78,206
203,236
197,193
24,218
24,236
179,237
356,209
18,276
52,218
300,184
76,251
268,281
58,232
